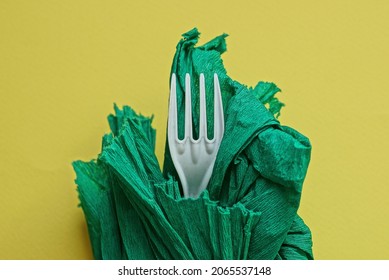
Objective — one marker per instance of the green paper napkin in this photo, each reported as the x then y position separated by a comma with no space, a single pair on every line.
249,209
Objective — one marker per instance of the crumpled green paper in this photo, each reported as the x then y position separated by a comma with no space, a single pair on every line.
249,209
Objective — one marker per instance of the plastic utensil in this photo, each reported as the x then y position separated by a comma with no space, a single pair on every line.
194,158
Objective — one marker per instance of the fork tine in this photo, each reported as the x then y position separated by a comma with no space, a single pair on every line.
188,107
203,110
218,109
172,123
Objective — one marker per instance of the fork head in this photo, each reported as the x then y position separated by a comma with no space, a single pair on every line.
194,159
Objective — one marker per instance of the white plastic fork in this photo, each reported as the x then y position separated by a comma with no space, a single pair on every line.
194,159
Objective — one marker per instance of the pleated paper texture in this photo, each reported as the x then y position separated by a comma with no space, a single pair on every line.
248,211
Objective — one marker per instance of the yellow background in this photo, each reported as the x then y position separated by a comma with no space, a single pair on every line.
64,63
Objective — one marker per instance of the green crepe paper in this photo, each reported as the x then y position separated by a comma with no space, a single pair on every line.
249,209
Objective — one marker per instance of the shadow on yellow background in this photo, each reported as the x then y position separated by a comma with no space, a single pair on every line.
64,64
